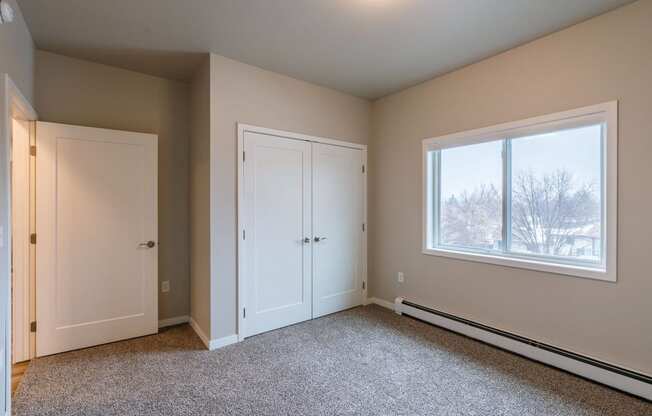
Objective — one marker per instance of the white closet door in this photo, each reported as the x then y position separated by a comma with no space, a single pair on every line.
338,208
277,197
96,225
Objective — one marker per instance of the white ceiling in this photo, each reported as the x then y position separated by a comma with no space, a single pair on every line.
368,48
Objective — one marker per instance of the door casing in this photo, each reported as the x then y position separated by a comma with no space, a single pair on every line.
241,277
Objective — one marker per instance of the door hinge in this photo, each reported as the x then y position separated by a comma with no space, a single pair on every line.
244,312
364,285
32,326
32,150
244,235
363,227
362,168
243,156
32,238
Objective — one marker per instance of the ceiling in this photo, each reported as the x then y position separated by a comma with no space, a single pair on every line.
368,48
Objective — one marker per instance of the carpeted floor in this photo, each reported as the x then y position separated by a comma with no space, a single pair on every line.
365,361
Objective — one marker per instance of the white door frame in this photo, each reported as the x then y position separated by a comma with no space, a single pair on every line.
13,104
241,277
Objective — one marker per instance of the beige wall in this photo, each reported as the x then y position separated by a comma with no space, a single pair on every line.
606,58
79,92
200,115
17,53
243,93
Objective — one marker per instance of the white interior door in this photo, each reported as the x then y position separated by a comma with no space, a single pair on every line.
277,263
338,207
96,197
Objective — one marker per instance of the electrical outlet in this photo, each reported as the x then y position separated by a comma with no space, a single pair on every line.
401,277
165,286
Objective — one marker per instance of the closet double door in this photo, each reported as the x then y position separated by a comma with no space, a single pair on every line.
302,230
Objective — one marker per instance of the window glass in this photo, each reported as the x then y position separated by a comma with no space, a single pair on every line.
470,200
556,194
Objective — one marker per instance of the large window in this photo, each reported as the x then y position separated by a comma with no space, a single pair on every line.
537,194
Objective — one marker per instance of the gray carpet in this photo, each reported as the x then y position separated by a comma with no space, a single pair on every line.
365,361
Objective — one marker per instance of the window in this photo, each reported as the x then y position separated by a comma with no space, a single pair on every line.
537,194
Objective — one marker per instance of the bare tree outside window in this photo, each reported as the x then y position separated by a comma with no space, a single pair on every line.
471,199
551,215
473,219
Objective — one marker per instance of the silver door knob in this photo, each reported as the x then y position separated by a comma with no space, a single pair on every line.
306,240
318,239
148,244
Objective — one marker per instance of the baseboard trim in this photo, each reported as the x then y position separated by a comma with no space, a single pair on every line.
553,356
222,342
177,320
213,344
379,302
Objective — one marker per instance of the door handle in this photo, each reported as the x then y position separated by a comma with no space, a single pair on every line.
147,244
306,240
318,239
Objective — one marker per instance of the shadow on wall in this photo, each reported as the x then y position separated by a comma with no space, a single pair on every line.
174,65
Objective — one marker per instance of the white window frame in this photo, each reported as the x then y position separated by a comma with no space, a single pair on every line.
605,114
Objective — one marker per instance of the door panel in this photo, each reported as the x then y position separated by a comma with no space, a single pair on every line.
338,195
277,264
96,203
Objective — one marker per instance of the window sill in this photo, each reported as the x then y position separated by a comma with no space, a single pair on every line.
529,264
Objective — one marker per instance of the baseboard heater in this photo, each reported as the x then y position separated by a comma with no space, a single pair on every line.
619,378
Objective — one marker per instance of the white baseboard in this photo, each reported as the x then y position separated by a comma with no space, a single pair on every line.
177,320
584,369
379,302
213,344
222,342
